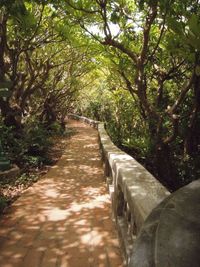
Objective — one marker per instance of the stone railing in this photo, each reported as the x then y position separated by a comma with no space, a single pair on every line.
134,191
84,119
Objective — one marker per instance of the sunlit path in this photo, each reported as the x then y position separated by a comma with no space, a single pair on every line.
64,220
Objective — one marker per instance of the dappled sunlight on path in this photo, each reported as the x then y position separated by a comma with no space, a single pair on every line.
64,220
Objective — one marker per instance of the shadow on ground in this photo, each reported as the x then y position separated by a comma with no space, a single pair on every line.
64,220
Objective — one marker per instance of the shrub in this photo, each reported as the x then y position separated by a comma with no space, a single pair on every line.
27,147
56,129
37,139
3,203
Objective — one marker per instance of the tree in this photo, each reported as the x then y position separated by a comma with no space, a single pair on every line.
151,45
22,32
37,61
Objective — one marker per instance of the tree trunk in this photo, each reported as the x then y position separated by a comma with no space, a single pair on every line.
11,116
192,140
165,168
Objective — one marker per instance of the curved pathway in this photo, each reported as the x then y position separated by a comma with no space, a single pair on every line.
64,220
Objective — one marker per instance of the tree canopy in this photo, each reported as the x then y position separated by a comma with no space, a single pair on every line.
133,64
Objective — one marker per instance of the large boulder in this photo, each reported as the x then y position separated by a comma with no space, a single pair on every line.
170,236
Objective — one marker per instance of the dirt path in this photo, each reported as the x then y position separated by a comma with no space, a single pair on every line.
64,220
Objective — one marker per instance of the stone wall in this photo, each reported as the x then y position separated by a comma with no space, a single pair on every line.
134,191
84,119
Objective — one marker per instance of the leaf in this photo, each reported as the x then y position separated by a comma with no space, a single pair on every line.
6,84
191,57
197,70
4,92
114,17
163,4
193,24
141,4
175,26
193,41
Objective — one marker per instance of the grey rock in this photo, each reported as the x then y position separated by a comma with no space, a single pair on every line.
170,237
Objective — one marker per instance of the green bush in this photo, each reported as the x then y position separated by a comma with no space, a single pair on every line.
187,168
37,139
11,142
26,178
27,147
3,203
56,129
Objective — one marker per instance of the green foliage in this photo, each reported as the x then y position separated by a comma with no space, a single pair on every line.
26,178
3,203
56,129
36,139
28,148
4,92
9,141
123,121
133,64
187,169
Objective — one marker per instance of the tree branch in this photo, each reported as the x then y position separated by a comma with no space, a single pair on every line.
182,95
146,33
81,8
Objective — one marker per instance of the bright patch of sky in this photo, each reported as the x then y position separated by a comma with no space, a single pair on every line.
114,28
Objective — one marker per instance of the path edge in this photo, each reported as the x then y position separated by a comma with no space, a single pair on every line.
133,190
